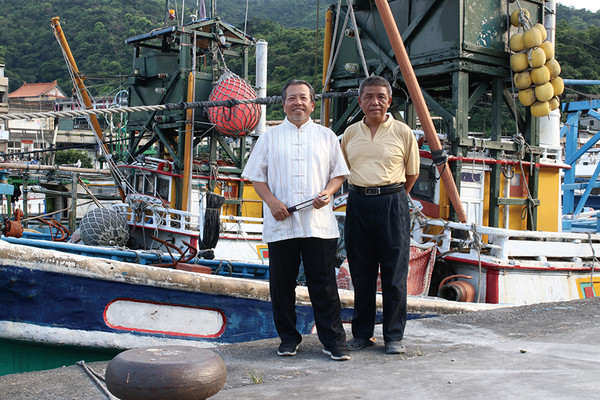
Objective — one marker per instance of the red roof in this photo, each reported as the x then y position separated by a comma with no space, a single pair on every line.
49,89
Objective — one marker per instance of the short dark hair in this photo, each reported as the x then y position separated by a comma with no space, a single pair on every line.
375,80
298,82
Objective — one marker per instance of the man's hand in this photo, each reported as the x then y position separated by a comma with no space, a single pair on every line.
321,201
278,209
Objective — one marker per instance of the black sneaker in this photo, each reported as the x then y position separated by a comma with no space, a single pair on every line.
287,349
337,353
395,347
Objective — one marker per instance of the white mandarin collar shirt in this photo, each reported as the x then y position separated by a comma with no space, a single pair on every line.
297,163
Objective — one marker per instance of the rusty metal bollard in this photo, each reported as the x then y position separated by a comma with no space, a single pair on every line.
167,372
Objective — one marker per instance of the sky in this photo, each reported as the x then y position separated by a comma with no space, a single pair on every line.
592,5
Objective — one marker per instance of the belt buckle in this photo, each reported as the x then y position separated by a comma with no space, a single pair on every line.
372,191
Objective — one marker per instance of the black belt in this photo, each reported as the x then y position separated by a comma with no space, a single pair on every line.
377,190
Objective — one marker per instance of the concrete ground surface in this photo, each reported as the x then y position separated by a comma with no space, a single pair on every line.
542,351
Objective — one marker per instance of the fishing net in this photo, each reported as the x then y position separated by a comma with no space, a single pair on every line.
237,120
210,235
104,227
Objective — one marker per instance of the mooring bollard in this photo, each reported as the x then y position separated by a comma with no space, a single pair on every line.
168,372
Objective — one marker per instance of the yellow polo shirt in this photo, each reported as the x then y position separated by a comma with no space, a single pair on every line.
392,154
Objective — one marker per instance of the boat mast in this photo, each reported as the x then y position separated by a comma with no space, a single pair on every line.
82,91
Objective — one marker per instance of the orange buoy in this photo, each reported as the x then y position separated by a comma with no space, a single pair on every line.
548,48
554,67
237,120
540,75
540,109
527,96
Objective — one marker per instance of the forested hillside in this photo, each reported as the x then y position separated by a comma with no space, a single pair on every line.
97,29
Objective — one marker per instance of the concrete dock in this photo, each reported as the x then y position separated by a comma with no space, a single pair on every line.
542,351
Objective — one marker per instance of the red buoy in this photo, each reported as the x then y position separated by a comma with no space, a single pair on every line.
237,120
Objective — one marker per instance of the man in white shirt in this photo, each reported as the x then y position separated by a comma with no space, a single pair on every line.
300,162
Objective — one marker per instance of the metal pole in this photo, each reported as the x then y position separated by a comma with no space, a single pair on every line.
83,90
327,43
73,216
261,82
417,96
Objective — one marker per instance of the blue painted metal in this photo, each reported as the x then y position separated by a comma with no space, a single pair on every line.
570,129
587,191
580,82
5,188
70,301
222,267
580,106
574,111
77,302
572,159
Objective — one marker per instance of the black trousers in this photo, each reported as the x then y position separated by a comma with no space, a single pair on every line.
318,260
377,234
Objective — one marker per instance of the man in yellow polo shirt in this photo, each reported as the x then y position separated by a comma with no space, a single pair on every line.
383,158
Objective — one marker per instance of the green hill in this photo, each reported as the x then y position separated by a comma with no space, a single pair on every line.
96,31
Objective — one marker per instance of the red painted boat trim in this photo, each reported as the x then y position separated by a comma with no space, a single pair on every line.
427,154
492,292
495,266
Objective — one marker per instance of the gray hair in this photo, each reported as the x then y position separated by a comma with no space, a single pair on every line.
374,80
298,82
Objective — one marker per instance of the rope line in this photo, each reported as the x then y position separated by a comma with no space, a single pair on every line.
167,107
98,379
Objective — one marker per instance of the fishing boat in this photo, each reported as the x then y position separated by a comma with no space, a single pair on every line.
490,200
471,193
184,262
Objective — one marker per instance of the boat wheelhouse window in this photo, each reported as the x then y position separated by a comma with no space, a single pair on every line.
162,188
149,187
470,177
139,183
424,188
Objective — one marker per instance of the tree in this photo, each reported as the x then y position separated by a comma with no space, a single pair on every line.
72,156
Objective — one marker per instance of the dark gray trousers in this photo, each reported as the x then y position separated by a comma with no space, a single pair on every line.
377,235
318,260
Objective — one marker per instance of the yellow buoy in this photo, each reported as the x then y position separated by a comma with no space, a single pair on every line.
540,75
522,80
540,109
536,57
544,92
516,43
558,85
527,97
548,48
554,67
554,103
519,62
542,30
514,17
532,38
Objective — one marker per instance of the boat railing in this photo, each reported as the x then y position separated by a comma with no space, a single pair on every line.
158,217
505,244
244,226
